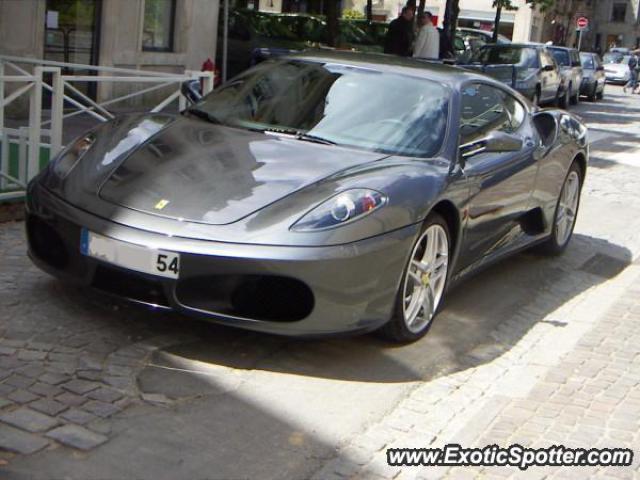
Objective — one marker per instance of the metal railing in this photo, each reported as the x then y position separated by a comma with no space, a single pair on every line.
25,149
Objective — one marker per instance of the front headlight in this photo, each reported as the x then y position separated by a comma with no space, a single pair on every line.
340,209
72,154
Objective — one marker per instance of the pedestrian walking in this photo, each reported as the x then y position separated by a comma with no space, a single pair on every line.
399,39
634,68
428,41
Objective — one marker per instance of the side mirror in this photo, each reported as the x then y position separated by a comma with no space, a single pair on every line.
548,68
547,127
494,142
191,90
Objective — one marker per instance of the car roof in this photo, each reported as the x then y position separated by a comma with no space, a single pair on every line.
394,64
558,47
514,45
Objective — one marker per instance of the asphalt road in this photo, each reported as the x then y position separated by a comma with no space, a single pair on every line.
233,404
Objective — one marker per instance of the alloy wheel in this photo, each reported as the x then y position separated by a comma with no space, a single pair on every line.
425,278
567,208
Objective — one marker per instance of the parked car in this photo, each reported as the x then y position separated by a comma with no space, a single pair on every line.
377,31
475,38
622,50
315,194
528,68
593,76
253,37
616,67
257,36
571,70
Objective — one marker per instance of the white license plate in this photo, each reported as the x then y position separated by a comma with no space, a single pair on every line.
131,256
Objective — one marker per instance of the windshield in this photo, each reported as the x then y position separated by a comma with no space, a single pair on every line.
350,106
561,56
612,58
587,61
506,55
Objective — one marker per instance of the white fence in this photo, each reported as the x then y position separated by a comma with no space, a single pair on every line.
21,148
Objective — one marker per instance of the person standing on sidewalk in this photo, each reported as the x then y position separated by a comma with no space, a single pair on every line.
633,69
428,41
399,39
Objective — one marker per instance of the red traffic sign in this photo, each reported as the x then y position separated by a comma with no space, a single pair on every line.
582,22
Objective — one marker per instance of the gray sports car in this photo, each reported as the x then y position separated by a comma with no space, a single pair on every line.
311,195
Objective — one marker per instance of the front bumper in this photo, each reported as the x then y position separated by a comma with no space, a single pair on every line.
352,286
615,78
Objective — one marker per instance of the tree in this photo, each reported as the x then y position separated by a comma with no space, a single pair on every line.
421,7
499,5
452,10
450,22
333,23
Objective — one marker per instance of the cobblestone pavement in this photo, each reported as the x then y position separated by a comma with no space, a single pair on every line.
90,388
573,379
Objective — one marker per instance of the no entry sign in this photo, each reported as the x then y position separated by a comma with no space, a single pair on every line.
582,22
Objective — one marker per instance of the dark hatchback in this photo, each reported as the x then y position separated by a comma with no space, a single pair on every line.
593,77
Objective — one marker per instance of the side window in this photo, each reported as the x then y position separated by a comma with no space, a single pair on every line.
483,111
577,57
517,112
598,61
545,59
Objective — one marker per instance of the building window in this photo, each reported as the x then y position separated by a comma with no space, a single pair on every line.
619,12
159,21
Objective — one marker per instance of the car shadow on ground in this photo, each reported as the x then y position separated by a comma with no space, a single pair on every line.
481,319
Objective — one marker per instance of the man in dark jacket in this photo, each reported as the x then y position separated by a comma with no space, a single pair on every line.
399,39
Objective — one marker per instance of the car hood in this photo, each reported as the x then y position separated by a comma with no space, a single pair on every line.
195,171
616,68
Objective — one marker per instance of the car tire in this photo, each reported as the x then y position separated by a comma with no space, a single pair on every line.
593,96
562,101
536,98
566,213
421,291
575,99
600,94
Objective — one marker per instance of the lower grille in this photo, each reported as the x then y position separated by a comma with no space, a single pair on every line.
129,285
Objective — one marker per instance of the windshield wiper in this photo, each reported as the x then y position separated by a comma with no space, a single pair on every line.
209,117
299,135
312,138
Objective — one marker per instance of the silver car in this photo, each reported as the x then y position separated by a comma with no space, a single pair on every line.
616,67
571,70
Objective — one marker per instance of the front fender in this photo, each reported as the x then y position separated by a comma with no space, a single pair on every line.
412,187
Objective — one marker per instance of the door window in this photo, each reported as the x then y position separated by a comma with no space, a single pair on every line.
486,108
546,59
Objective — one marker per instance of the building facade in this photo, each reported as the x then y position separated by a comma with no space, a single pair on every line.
616,24
521,25
161,35
612,23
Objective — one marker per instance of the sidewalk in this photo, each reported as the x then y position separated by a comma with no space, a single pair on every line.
588,396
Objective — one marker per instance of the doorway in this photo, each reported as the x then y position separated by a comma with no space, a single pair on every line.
72,35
